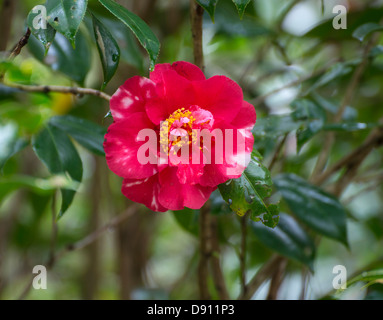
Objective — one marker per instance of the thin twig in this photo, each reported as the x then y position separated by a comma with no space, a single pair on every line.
242,255
54,232
61,89
205,252
277,279
218,276
261,276
277,152
20,45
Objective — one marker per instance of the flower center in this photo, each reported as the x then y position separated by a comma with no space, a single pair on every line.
181,127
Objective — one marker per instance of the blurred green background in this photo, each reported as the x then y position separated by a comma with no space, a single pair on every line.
285,55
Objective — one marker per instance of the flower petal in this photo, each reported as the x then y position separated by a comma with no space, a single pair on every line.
121,147
173,92
234,159
183,68
176,196
219,95
144,191
131,97
246,117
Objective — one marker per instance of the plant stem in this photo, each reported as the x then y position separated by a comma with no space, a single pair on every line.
205,252
61,89
196,13
242,256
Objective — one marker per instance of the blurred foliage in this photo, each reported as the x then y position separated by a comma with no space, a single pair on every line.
292,65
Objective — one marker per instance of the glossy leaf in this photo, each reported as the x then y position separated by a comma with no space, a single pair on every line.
228,24
349,126
355,19
241,6
65,16
316,208
56,151
287,238
188,220
89,134
209,6
74,63
218,206
108,49
10,143
366,29
43,31
248,193
37,185
140,29
367,276
312,114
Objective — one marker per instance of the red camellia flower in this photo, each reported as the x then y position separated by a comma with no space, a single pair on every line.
206,121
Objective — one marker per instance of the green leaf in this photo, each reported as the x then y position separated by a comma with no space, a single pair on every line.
241,6
209,6
287,238
349,126
312,114
74,63
37,185
140,29
227,23
90,135
367,276
56,151
248,193
218,206
366,29
188,220
316,208
66,16
129,47
45,34
355,18
108,50
10,143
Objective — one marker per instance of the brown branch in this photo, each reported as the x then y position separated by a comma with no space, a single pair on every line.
19,46
54,232
277,152
6,16
277,279
196,13
261,276
242,255
205,252
61,89
218,277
